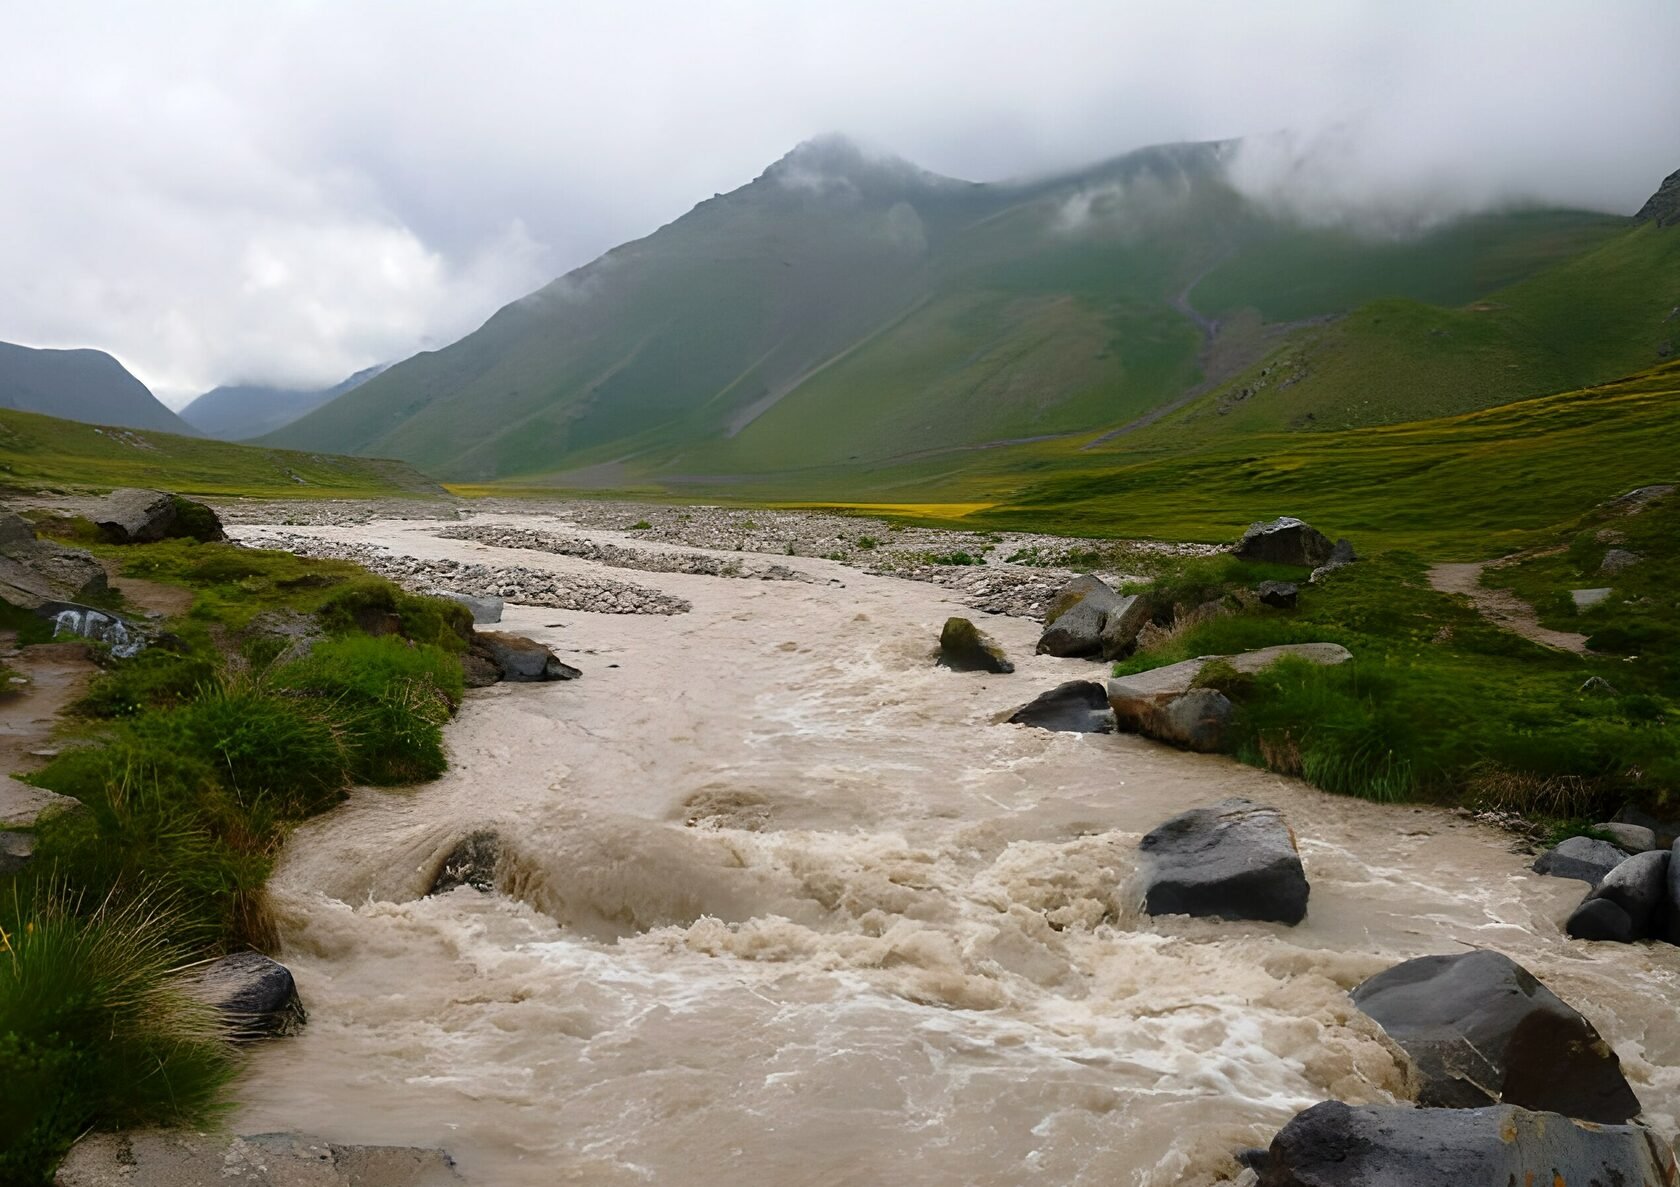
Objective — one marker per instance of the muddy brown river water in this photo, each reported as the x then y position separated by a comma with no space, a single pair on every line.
785,906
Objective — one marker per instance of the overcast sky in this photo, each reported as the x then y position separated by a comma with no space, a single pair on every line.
289,191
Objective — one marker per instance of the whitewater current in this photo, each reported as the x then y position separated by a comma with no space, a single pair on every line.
783,904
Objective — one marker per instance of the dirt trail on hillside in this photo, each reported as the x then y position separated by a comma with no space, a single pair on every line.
782,905
1501,607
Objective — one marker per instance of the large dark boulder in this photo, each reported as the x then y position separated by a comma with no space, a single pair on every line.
35,572
1075,618
1482,1030
134,516
1338,1145
1585,858
517,658
1284,541
1672,931
1629,904
1234,860
1076,707
964,647
1122,624
255,995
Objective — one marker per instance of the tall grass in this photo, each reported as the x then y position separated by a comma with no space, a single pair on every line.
96,1029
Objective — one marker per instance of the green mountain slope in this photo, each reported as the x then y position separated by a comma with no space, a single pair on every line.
846,310
84,385
239,412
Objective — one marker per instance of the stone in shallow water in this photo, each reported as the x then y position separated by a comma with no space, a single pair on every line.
520,659
256,995
1584,858
964,647
1628,904
1234,860
1076,707
1482,1030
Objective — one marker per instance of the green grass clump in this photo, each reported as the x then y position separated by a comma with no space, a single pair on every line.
374,605
95,1029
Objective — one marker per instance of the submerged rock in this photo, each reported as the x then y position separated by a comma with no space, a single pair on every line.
1585,858
964,647
1234,860
472,862
177,1158
1482,1030
1076,707
1337,1145
520,659
1284,541
256,995
1629,904
135,516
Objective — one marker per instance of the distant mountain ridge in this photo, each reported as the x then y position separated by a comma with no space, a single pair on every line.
238,412
84,385
847,312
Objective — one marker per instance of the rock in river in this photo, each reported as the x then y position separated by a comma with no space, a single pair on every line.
1075,619
1584,858
520,659
1076,707
1482,1030
964,647
1234,860
1337,1145
256,995
1629,904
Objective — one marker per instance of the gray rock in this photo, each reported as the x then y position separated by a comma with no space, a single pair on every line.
1284,541
1597,686
964,647
1341,557
1124,620
1587,598
22,805
1635,838
1628,904
1278,594
134,516
485,608
1076,618
34,572
176,1158
1672,931
1617,559
1586,859
1077,707
16,850
1196,720
520,659
123,637
1666,828
1337,1145
256,996
1234,860
1144,703
472,862
1482,1030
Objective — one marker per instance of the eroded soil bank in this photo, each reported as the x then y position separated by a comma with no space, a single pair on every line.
788,907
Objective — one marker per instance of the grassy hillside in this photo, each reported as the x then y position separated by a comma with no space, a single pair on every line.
845,310
84,385
43,452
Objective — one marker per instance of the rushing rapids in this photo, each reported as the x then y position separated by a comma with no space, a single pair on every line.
781,902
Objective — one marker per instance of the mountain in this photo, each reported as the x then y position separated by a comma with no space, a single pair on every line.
241,411
1663,208
847,321
84,385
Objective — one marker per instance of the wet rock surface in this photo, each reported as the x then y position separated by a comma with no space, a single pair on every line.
1629,904
1233,860
1584,858
964,647
519,659
1338,1145
171,1158
255,994
1483,1030
1076,707
472,862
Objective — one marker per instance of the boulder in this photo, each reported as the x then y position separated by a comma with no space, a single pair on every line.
472,862
22,805
1585,599
1635,838
255,995
1337,1145
180,1158
520,659
16,850
964,647
1121,626
1617,559
1482,1030
134,516
34,572
1628,904
1280,595
1341,556
1234,860
485,609
1597,686
101,626
1077,707
1076,617
1672,931
1284,541
1584,858
1667,829
1144,703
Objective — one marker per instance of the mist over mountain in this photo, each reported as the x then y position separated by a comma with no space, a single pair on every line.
85,385
240,411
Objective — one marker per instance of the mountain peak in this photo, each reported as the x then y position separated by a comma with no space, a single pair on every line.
836,160
1663,207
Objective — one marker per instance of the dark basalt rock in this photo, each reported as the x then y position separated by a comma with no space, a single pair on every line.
255,995
1482,1030
964,647
1280,595
1284,541
1337,1145
1583,858
1629,904
1234,860
1076,707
